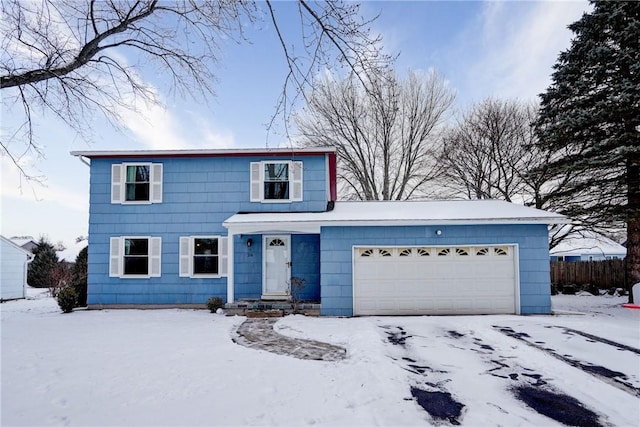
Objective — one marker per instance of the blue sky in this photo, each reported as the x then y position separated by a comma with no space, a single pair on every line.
482,49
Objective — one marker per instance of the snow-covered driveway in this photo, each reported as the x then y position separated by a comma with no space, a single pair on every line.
180,367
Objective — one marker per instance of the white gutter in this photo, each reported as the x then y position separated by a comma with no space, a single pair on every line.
81,158
30,257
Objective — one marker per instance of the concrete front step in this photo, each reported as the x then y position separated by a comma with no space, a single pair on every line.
264,308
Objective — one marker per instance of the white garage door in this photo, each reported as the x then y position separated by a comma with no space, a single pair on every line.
435,280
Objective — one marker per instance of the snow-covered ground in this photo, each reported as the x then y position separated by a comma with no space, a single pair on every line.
181,367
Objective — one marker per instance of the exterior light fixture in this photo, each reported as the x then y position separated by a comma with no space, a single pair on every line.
249,242
438,232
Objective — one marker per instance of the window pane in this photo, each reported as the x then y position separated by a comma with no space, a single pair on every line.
205,246
276,172
276,190
137,174
205,264
136,265
137,192
136,247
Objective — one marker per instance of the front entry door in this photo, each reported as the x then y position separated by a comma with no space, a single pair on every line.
276,266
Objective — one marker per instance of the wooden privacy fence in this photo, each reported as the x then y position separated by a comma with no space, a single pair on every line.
603,274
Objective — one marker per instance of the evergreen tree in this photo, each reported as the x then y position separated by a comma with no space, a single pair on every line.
44,263
590,121
79,277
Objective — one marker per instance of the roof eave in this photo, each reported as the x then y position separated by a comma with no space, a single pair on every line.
315,225
240,152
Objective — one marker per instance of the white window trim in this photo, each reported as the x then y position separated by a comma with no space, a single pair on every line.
186,254
119,183
116,257
256,173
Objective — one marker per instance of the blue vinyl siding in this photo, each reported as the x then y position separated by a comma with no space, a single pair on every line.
305,256
248,267
336,245
199,193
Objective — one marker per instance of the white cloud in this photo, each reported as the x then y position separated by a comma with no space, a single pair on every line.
521,42
154,127
17,187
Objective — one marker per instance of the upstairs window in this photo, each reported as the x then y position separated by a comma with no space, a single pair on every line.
136,183
273,182
203,256
135,257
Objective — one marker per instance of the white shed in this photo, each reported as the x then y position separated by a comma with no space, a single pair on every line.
13,270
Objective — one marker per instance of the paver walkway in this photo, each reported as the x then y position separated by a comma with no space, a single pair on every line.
259,334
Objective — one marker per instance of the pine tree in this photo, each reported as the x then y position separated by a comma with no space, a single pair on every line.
590,121
79,276
43,264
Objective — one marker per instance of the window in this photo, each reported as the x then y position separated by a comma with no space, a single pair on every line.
405,252
136,183
366,252
384,252
273,182
424,252
276,181
501,251
462,251
444,252
135,257
203,256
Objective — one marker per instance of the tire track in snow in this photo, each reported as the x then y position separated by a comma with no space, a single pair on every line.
524,384
602,340
435,399
614,378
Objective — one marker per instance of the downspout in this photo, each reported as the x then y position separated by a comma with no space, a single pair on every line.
30,257
84,161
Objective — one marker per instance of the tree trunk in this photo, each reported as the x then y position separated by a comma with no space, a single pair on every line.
633,222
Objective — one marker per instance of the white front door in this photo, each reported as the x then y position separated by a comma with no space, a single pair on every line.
276,266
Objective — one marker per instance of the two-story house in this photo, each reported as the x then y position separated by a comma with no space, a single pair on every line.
173,228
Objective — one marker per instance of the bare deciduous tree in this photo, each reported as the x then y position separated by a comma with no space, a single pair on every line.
386,132
485,153
492,153
77,58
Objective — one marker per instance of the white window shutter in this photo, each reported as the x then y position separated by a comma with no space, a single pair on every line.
223,256
155,256
185,256
115,257
296,181
156,183
117,183
256,187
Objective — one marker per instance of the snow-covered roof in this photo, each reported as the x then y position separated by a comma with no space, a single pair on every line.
356,213
21,241
71,253
14,243
587,243
205,152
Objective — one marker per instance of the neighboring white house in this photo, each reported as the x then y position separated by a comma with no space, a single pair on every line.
587,246
13,270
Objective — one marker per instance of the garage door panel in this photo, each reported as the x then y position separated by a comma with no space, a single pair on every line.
461,280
